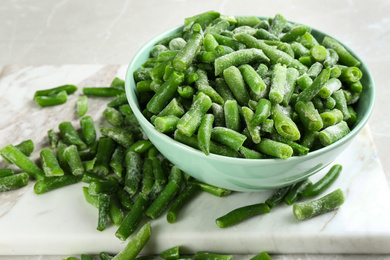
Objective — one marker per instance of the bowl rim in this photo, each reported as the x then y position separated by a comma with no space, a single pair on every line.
135,107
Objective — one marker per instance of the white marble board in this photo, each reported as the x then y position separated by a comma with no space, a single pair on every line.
61,222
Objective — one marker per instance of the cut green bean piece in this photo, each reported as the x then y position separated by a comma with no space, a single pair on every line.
294,33
331,58
70,135
165,93
228,41
134,247
116,162
228,137
223,89
253,79
215,147
315,70
89,177
232,117
318,52
217,191
104,153
52,100
284,124
308,40
309,115
186,91
278,196
69,89
190,121
52,183
114,213
165,197
296,191
53,138
344,56
106,186
297,148
132,220
254,130
173,108
133,176
140,146
241,214
331,86
171,253
187,194
331,117
50,164
350,74
119,135
237,58
13,181
26,147
251,154
88,130
309,209
309,138
274,148
219,116
105,256
263,111
6,172
324,183
236,83
278,24
102,91
333,133
279,76
311,91
82,106
147,176
113,116
186,55
265,35
341,103
204,133
202,84
103,206
14,155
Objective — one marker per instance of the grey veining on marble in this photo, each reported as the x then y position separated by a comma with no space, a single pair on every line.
61,222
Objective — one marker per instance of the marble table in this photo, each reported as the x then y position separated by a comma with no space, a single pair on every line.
61,222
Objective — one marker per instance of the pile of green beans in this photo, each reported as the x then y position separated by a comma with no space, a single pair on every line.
259,88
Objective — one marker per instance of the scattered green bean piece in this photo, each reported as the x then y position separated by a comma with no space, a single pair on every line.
217,191
241,214
104,153
119,101
309,209
70,135
82,106
147,176
52,100
6,172
278,196
102,91
69,89
254,130
103,205
166,124
165,197
133,218
53,138
119,135
50,164
14,181
88,130
235,81
309,115
114,213
324,183
135,245
140,146
52,183
296,191
105,256
14,155
116,162
133,163
171,253
284,124
232,117
113,116
187,194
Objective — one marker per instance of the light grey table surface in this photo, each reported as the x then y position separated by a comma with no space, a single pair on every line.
111,32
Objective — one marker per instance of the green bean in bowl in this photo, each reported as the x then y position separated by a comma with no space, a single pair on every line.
249,103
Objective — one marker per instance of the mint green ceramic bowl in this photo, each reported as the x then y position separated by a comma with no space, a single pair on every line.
245,174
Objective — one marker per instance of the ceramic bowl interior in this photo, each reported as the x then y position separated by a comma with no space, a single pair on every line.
246,174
